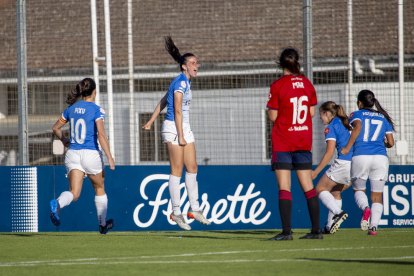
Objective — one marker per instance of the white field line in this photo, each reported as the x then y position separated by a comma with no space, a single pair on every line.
87,261
225,261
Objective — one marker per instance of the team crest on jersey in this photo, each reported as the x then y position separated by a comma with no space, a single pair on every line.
270,96
183,84
352,115
102,110
326,131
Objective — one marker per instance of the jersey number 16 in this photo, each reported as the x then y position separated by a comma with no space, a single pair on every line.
299,109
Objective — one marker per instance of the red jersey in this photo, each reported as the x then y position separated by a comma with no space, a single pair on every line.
292,96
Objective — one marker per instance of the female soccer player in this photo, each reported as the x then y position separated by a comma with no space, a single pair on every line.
291,105
337,178
372,133
176,132
83,156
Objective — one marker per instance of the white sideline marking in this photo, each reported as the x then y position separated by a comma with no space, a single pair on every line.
85,261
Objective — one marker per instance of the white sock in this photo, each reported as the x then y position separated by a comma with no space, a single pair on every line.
174,187
376,213
329,201
65,199
330,214
361,200
192,190
101,203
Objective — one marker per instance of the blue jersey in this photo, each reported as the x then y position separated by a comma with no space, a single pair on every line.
82,117
336,131
374,127
179,85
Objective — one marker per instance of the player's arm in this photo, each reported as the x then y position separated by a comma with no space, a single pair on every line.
312,111
330,150
59,133
389,140
103,140
354,135
161,105
272,114
178,114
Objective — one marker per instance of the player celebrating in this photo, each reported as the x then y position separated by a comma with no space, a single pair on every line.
372,133
337,177
83,156
291,105
176,132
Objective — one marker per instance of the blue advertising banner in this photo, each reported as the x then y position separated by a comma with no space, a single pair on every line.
233,198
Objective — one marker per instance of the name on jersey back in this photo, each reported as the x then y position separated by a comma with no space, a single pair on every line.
373,114
80,110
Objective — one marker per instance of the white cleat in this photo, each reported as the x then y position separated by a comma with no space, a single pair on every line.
180,221
198,216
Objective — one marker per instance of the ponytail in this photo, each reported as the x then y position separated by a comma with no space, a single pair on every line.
384,112
84,88
175,53
336,111
289,60
368,100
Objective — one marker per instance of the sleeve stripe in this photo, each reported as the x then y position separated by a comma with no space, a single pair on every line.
314,104
62,120
330,139
272,108
354,120
179,91
388,132
100,119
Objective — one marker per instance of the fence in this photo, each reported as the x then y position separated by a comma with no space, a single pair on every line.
236,43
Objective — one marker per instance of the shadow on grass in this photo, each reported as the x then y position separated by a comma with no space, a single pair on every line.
360,261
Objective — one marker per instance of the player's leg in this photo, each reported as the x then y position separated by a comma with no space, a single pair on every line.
192,185
378,176
302,164
176,154
360,167
93,164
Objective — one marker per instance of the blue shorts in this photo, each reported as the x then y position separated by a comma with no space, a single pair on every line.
291,160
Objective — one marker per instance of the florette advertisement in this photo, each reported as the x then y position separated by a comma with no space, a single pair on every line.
232,197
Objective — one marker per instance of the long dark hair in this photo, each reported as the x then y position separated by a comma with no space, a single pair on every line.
289,59
368,100
175,53
337,111
84,88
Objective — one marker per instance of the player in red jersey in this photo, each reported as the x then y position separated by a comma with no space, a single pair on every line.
291,106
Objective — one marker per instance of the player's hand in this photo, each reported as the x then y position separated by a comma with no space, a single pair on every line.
147,126
111,163
182,142
66,142
344,151
314,175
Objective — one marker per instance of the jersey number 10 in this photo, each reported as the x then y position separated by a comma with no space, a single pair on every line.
74,131
299,109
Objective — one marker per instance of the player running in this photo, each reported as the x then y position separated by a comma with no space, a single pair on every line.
291,106
337,178
83,157
372,133
177,133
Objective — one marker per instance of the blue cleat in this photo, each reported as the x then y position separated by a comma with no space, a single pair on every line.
109,225
55,212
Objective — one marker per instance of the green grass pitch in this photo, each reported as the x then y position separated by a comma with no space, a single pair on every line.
348,252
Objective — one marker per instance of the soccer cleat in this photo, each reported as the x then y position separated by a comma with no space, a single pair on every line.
198,216
55,212
337,220
373,231
109,225
180,221
325,230
313,236
365,219
282,237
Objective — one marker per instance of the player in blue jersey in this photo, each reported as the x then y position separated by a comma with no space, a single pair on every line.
337,177
371,135
176,132
83,156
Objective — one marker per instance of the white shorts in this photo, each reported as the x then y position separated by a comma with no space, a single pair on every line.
374,167
169,132
340,171
85,160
